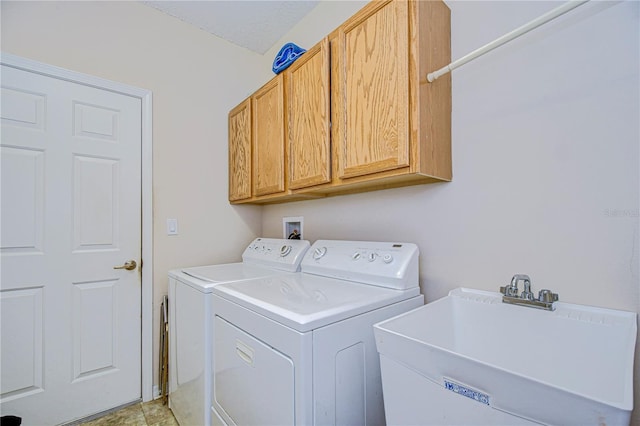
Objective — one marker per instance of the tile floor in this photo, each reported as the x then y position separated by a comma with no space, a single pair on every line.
151,413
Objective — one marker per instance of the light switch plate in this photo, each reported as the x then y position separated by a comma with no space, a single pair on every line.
172,226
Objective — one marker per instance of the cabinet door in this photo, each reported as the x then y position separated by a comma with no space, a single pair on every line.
374,90
240,152
268,138
309,119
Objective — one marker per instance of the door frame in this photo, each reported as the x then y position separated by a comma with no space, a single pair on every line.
145,97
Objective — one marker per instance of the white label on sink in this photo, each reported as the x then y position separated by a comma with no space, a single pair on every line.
465,390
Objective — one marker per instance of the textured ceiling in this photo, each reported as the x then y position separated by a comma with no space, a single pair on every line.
256,25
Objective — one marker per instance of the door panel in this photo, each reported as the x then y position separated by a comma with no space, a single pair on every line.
22,108
95,122
94,328
309,117
375,85
240,152
71,204
22,370
95,202
268,138
253,382
25,233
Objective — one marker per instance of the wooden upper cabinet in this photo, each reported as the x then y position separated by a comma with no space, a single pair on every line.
269,138
240,152
354,113
308,105
373,90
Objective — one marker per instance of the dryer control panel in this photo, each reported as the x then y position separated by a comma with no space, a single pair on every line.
385,264
276,253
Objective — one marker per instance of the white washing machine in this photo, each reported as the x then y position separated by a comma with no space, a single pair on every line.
299,349
190,328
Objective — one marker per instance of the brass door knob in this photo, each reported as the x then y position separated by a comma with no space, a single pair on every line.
129,265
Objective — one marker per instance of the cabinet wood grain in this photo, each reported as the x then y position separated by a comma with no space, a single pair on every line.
269,138
240,152
308,100
374,70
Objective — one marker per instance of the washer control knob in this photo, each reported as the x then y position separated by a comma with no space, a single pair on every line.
356,256
387,258
372,256
285,250
319,253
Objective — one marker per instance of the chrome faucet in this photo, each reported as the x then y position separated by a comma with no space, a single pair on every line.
526,298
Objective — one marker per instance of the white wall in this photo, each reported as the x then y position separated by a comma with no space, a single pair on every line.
545,160
195,78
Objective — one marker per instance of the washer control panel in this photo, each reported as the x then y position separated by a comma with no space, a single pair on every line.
277,253
392,265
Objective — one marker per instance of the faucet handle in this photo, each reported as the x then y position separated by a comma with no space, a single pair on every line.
510,290
547,296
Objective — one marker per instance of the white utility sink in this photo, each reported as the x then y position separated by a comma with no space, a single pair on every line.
468,358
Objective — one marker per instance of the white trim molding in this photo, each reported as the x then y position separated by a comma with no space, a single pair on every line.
147,186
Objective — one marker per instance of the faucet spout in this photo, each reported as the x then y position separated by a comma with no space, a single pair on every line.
527,294
521,277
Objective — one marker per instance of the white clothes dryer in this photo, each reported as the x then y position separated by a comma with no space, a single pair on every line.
190,328
299,349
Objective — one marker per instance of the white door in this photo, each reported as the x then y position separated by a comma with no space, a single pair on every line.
71,211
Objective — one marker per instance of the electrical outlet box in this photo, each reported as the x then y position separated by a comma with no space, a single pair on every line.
292,227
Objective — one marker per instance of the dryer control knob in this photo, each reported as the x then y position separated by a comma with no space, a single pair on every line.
319,252
356,256
372,256
285,250
387,258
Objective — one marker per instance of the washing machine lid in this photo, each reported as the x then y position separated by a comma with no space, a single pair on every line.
305,302
204,278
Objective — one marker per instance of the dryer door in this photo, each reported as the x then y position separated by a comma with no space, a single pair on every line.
253,383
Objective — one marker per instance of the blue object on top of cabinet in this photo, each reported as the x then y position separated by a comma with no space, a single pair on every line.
286,56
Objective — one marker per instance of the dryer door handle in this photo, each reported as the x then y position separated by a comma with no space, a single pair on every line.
244,351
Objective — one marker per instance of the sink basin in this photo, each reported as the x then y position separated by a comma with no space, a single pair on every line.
571,366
